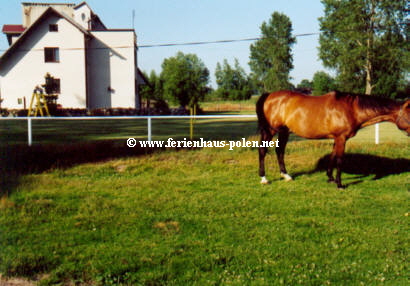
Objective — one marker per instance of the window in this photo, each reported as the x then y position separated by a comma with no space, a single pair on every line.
53,28
51,55
52,85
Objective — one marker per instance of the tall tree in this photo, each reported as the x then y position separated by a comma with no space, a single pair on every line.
185,79
364,41
233,83
305,83
153,90
322,83
271,59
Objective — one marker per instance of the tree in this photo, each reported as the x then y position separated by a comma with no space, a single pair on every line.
322,83
364,41
185,79
271,58
305,83
233,83
153,90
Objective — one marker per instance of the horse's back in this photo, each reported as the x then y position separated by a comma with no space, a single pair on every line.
282,104
307,116
288,95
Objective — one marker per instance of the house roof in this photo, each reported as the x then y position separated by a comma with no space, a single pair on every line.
74,23
50,11
46,4
13,29
81,4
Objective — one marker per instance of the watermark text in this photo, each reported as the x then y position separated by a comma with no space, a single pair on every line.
201,143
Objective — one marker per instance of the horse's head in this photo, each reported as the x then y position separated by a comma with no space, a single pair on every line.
403,119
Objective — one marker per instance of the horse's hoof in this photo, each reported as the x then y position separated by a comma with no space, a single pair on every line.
286,177
264,181
330,180
341,187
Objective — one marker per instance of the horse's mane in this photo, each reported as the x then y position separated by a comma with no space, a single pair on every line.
368,102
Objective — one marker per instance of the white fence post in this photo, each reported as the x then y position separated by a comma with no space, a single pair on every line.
376,133
29,133
149,129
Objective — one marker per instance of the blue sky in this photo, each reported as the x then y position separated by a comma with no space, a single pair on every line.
180,21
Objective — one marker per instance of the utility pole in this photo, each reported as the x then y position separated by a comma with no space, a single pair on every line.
133,19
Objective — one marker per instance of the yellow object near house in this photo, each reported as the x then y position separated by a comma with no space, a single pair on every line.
38,99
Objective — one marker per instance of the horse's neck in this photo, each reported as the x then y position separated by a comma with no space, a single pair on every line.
378,119
369,116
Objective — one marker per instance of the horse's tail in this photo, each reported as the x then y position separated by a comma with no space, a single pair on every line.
263,124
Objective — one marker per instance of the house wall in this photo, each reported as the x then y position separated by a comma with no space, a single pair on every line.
14,38
111,69
32,11
26,68
82,16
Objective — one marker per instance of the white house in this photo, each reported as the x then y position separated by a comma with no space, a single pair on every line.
93,67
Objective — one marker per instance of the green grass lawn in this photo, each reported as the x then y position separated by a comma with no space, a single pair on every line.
104,214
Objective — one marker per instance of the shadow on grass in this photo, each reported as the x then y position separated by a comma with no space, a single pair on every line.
365,165
18,160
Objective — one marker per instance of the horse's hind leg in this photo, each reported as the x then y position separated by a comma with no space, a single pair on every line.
337,155
280,153
266,135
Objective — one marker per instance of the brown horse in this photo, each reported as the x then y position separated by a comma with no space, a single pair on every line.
334,115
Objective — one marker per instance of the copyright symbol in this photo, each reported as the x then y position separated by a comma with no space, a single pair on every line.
131,142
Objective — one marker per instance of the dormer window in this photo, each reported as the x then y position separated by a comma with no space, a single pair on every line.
53,28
